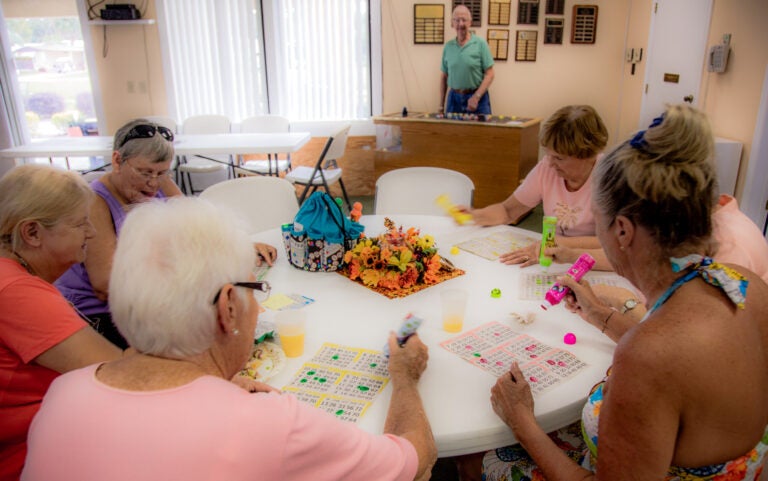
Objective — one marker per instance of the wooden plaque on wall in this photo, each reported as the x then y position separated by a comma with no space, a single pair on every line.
498,42
428,23
584,24
525,47
499,12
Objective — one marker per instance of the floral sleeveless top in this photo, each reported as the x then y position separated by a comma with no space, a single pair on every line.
746,467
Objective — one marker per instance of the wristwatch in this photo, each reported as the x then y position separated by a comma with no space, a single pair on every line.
629,304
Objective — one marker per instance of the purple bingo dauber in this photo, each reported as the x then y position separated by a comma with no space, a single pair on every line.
407,328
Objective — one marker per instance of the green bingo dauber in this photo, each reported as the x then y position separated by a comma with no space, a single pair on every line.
549,224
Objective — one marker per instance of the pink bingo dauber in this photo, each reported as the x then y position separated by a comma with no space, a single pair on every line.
557,292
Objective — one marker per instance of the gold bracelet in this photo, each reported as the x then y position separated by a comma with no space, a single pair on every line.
605,322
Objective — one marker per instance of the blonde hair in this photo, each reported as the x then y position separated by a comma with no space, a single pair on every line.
663,179
574,131
38,193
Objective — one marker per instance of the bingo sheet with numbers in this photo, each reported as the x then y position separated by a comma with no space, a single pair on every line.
341,380
493,347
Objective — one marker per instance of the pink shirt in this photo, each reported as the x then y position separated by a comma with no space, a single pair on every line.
572,209
741,241
208,429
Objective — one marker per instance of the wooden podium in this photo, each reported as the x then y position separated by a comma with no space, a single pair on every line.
496,153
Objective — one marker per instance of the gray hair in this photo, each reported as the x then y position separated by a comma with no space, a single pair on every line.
38,193
155,148
171,259
663,179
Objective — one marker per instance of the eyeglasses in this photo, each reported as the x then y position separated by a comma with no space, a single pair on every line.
147,131
147,175
260,289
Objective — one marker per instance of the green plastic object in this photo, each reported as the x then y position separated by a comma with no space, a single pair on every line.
495,293
549,224
339,201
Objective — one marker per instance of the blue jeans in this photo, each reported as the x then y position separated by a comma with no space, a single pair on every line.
457,103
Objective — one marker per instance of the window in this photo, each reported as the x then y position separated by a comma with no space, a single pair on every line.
50,65
312,61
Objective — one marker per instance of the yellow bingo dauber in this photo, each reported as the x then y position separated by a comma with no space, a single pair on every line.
450,208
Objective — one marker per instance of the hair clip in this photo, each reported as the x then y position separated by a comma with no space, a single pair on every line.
638,141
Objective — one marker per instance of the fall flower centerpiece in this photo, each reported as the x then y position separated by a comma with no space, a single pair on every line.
397,262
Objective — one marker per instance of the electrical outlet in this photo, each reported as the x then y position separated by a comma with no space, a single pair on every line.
142,87
131,87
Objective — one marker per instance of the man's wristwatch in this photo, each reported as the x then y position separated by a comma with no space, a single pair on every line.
629,304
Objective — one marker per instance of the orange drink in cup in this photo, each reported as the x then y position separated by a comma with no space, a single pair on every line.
454,305
291,329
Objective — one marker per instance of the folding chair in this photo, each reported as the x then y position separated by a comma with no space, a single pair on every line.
326,170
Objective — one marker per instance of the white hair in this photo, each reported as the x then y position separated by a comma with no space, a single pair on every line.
171,259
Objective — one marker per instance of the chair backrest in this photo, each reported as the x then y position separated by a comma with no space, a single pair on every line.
413,190
261,202
265,124
205,124
335,148
166,122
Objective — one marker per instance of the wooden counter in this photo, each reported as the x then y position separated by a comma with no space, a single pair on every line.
495,154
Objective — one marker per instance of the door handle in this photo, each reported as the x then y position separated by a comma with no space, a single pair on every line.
688,98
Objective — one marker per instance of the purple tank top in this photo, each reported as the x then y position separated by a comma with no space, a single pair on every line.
75,284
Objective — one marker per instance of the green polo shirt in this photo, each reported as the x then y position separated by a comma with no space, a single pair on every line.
466,66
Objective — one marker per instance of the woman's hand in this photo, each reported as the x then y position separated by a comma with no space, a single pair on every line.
511,398
409,361
265,252
562,254
525,256
583,301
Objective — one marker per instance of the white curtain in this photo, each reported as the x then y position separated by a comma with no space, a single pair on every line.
316,64
322,59
214,51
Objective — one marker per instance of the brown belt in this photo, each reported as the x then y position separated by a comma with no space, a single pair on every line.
465,91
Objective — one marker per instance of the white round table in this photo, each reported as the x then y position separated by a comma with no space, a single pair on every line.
456,394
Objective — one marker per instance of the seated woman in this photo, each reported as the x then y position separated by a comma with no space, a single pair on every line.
167,412
141,162
44,229
687,396
572,139
738,241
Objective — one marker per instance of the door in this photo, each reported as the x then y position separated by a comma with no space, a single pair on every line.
677,45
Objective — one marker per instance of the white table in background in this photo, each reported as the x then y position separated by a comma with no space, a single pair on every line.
456,394
184,144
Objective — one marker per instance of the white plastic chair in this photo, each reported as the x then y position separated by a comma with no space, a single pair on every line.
265,124
262,202
326,170
209,164
413,190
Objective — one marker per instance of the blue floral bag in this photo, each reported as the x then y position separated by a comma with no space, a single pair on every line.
320,235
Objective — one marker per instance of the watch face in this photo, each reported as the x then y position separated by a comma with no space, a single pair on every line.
630,304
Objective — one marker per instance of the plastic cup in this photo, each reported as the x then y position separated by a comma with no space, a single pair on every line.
454,303
291,329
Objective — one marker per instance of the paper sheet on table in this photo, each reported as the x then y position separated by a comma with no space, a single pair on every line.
492,246
279,302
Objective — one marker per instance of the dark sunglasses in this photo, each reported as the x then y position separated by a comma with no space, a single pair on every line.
147,131
261,290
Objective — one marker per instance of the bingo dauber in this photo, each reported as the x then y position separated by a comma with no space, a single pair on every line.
407,328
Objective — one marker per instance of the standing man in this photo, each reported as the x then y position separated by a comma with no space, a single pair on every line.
467,69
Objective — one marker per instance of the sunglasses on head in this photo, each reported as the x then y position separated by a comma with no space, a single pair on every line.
147,131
